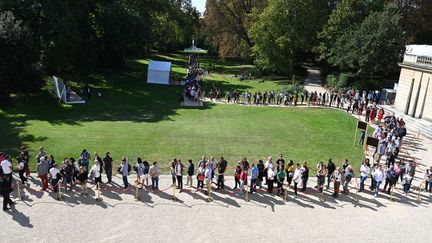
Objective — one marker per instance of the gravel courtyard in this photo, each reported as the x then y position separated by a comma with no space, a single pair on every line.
39,217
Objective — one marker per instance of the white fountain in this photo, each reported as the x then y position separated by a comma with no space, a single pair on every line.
194,49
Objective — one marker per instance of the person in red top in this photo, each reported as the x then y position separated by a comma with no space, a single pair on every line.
2,156
373,114
380,114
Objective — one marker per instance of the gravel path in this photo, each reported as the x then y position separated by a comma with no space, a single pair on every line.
266,217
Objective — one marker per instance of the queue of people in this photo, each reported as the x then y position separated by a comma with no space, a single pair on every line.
192,83
248,176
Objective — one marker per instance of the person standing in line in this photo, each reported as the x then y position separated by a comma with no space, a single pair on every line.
337,178
243,177
319,168
321,178
6,190
364,172
260,167
41,154
254,177
330,169
107,161
202,161
368,111
85,158
348,175
82,178
290,168
208,177
280,162
190,173
200,176
378,177
54,177
97,175
237,173
179,167
146,176
7,167
25,157
139,169
212,164
42,170
304,176
268,164
154,172
373,182
270,178
222,165
297,178
21,170
406,182
280,177
390,178
69,170
172,165
124,169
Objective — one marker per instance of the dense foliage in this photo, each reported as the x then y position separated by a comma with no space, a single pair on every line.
82,35
363,37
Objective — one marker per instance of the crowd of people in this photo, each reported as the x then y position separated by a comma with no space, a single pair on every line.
248,176
192,84
354,100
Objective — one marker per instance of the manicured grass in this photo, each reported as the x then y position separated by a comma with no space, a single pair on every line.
133,118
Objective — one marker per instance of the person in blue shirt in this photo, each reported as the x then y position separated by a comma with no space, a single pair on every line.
362,137
85,157
254,176
390,179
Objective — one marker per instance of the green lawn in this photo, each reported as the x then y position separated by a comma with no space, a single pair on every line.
133,118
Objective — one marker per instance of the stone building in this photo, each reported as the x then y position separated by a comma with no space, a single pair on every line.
414,92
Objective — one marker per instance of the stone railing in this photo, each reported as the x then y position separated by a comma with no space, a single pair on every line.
418,60
424,61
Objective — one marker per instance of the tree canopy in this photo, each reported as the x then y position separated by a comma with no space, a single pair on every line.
83,35
282,32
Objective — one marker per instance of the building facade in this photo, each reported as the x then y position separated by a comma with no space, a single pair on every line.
414,91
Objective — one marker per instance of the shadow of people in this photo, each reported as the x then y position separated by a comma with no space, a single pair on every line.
19,217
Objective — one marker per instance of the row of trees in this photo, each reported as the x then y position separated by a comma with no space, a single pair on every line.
365,37
51,36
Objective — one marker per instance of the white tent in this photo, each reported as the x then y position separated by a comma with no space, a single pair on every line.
61,92
158,72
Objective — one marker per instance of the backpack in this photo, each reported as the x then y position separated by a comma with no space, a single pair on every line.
69,169
348,176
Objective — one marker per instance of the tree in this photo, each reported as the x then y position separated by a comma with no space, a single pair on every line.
19,57
371,48
416,20
175,22
227,23
374,47
283,31
347,14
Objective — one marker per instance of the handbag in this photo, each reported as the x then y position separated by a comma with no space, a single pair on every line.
200,177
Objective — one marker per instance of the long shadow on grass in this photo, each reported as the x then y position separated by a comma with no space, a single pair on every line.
13,135
124,97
